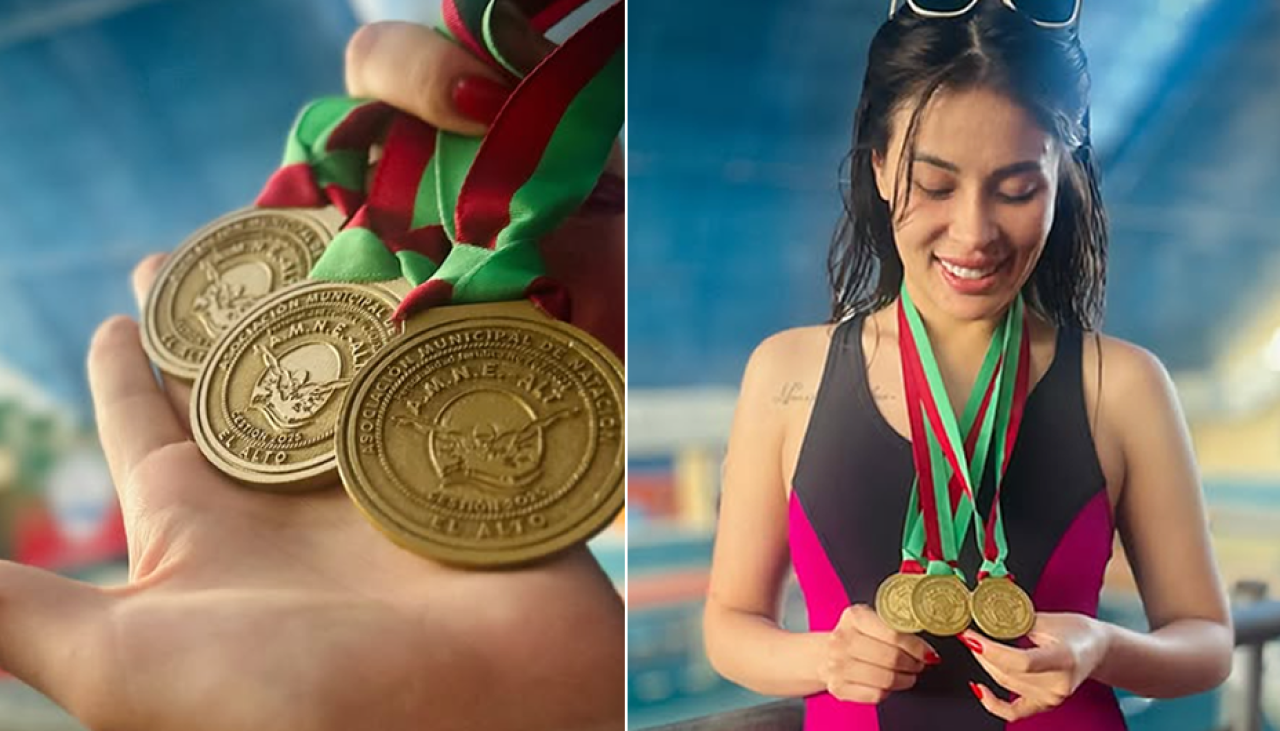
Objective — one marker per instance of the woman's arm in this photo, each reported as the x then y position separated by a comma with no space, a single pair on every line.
862,659
749,566
1161,517
1162,523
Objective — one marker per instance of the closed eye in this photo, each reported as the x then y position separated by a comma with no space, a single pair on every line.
1018,198
936,194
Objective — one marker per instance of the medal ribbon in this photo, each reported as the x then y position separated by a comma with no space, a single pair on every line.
470,23
913,538
498,196
397,232
995,548
939,499
326,156
928,403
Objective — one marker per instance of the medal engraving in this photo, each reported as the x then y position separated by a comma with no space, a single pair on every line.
1001,609
893,603
223,270
491,435
941,605
266,404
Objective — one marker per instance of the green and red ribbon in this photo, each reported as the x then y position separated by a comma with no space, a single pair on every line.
913,540
539,161
944,500
470,23
397,232
326,157
459,217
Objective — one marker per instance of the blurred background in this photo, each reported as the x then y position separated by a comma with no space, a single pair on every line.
124,126
740,113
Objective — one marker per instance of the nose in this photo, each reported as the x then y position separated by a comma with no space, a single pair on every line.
972,222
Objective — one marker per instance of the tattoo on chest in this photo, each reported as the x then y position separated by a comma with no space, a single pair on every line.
880,393
793,392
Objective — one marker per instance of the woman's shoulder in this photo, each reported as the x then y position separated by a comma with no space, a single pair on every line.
792,348
1129,380
785,364
1124,364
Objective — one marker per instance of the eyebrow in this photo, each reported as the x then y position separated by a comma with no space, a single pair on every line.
1016,168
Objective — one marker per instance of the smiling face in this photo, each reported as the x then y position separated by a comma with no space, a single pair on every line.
984,180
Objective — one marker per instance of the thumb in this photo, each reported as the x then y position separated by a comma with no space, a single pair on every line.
1045,631
45,620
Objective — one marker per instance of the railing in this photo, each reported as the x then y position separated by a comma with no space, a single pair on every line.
778,716
1256,619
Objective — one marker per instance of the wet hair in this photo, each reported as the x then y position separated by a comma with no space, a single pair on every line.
911,59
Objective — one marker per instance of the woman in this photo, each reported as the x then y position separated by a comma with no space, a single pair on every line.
973,188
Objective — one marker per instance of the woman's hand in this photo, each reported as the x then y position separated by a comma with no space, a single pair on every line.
867,660
1069,647
251,610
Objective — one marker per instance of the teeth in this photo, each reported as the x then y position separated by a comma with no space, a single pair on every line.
964,273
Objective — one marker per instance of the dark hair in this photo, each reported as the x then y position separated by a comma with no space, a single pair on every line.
1043,70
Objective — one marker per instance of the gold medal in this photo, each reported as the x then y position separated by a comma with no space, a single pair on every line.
893,602
491,435
221,271
266,403
1001,609
941,605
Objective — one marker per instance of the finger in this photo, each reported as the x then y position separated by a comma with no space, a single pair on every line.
1027,686
420,71
1050,689
1017,710
868,622
144,278
854,693
877,677
144,275
872,651
44,621
588,256
1016,660
135,417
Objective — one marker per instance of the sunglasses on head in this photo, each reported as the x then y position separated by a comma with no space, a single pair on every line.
1044,13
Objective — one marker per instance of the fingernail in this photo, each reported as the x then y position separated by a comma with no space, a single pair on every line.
932,658
479,98
977,691
972,644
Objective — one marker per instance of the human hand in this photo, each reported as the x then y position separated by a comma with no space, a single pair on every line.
1069,647
416,69
247,610
867,660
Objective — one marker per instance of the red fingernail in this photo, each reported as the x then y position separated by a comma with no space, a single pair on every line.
972,644
977,692
932,658
479,98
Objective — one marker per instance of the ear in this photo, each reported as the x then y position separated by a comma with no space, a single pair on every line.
883,184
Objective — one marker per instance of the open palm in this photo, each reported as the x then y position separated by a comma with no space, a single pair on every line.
254,611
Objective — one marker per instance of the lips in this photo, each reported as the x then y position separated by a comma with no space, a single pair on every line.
970,271
971,276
